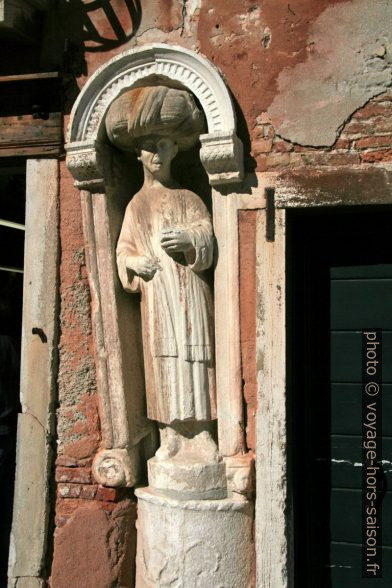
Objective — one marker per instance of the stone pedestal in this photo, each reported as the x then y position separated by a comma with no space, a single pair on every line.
188,479
193,543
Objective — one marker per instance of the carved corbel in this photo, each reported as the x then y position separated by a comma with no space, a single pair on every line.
240,476
116,467
222,157
83,161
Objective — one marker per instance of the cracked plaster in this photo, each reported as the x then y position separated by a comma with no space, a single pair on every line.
350,62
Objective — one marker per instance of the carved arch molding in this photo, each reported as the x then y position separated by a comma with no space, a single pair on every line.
115,320
221,153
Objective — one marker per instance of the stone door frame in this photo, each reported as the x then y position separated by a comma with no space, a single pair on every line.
38,382
314,188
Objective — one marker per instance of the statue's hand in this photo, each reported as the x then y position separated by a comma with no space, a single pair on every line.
174,240
143,266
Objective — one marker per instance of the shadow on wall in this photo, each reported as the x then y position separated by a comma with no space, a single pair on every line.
79,27
105,28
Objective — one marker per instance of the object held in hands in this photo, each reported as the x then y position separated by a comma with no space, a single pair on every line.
143,266
175,240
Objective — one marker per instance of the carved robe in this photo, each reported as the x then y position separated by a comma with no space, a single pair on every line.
176,305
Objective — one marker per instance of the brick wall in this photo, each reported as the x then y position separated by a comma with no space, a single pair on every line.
365,138
95,535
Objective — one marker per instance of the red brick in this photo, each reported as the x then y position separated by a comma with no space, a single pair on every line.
278,160
301,149
382,125
326,158
296,160
70,462
376,141
343,159
107,494
66,461
377,156
282,146
377,126
263,118
84,448
342,144
358,128
261,146
374,109
383,97
264,132
75,475
261,163
69,490
88,492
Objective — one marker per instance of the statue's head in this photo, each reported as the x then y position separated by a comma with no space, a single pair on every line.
156,154
148,116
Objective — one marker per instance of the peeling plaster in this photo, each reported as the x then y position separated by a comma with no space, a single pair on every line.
350,62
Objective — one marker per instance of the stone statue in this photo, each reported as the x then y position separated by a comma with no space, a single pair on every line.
164,248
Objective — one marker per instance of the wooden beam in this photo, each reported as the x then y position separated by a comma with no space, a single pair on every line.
31,76
27,135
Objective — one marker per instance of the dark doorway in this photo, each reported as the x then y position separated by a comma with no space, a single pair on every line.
339,282
12,218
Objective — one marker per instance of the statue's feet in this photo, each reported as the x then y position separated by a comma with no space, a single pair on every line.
208,447
188,466
197,447
169,444
165,453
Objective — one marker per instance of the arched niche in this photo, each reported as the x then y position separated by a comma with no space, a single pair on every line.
97,168
221,153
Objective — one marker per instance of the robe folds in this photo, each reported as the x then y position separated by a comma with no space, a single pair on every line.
176,305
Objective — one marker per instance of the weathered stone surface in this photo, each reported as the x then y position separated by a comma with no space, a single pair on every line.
197,543
222,152
309,188
247,269
27,582
165,246
240,476
40,328
273,538
115,467
38,372
31,502
350,62
188,479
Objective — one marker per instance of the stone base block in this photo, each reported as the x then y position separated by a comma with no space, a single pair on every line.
194,543
188,480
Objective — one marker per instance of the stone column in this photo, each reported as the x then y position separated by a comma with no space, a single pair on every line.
188,543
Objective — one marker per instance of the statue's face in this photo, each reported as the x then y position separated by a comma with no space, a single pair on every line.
156,155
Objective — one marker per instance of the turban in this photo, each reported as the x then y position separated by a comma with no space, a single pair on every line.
154,110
